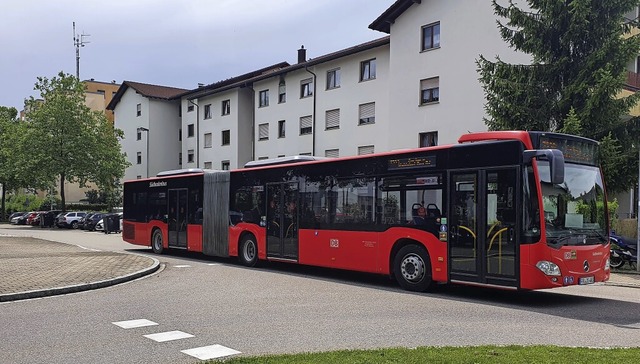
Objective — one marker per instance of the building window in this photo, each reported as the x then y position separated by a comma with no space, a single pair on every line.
429,90
179,110
332,119
138,177
180,158
431,36
190,156
333,79
139,110
428,139
264,98
282,92
139,158
179,135
207,165
305,125
368,70
262,158
281,129
101,92
365,149
190,130
226,137
189,107
332,153
263,131
307,153
225,165
208,140
306,88
226,107
207,111
138,135
367,113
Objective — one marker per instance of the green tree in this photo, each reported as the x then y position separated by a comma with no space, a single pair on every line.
13,173
579,49
76,144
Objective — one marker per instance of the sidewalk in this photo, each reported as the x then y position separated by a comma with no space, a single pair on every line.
32,268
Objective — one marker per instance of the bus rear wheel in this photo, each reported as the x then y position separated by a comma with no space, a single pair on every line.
412,268
157,243
248,254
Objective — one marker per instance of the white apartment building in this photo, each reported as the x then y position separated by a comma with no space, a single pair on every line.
149,116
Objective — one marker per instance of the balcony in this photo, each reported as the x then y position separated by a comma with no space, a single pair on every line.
633,81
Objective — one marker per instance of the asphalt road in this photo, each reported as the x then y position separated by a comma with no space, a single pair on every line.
285,309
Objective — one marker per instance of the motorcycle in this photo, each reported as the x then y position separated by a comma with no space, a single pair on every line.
623,250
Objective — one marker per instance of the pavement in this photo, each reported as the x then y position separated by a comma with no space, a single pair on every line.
32,268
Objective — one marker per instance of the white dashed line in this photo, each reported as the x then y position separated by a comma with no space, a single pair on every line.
210,352
168,336
85,248
182,266
132,324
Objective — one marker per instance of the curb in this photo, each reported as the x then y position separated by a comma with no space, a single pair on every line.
81,287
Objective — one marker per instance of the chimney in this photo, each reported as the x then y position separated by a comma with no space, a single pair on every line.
302,54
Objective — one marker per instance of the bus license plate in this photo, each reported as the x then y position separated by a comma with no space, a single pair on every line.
586,280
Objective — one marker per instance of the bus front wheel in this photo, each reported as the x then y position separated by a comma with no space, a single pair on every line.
412,268
248,254
157,241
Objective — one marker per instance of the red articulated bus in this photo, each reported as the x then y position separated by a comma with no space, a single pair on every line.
512,210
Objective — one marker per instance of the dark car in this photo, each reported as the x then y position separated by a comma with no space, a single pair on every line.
91,220
20,219
45,218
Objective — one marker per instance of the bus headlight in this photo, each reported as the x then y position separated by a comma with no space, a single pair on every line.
548,268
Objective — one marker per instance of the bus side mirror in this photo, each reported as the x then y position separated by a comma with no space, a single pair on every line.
556,162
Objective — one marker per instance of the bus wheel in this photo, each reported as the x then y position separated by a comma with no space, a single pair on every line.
248,253
412,268
156,241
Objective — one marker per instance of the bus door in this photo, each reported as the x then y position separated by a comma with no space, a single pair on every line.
483,227
177,217
282,220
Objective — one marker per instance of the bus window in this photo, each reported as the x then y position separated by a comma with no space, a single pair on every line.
354,200
249,202
157,206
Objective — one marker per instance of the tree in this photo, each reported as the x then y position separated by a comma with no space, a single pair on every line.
12,157
579,49
75,144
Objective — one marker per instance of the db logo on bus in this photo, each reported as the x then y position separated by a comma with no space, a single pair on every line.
334,243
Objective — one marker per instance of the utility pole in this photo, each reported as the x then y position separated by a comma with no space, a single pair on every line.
78,41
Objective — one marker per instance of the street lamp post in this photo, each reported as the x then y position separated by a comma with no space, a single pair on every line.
141,129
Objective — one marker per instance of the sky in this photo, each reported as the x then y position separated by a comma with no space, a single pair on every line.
168,42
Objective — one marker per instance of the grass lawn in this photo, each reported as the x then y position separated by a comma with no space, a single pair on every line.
477,354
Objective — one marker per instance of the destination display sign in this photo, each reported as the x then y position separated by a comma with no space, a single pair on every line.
576,151
412,162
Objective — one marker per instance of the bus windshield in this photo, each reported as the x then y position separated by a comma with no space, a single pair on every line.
574,211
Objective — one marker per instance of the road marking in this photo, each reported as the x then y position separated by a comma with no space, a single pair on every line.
132,324
168,336
210,352
85,248
182,266
212,264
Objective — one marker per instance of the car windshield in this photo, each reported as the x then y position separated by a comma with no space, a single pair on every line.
574,211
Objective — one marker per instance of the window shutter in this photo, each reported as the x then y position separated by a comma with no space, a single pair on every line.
263,131
367,149
332,153
305,122
367,110
333,119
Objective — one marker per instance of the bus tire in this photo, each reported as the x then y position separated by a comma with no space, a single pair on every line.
248,252
412,268
157,241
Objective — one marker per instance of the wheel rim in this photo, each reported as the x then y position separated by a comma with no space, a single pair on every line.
157,241
412,268
249,251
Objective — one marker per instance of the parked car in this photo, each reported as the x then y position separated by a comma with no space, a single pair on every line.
91,221
49,217
83,220
100,224
20,219
32,216
13,219
70,219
